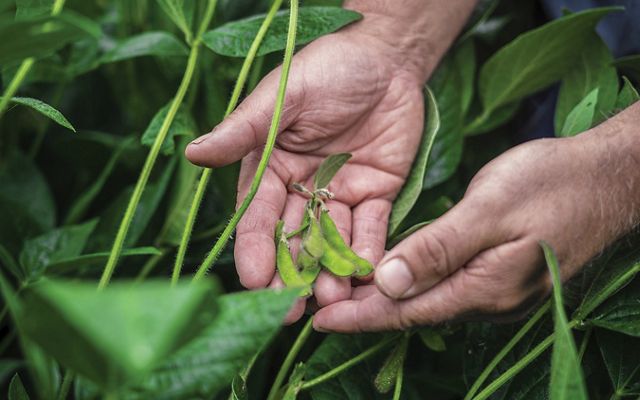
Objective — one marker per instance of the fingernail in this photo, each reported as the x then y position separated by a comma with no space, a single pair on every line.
201,139
394,277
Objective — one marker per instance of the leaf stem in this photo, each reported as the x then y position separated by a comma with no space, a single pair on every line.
348,364
206,173
506,349
155,150
520,365
290,358
268,147
66,385
397,391
24,68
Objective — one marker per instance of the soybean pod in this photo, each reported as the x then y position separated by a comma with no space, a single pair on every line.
334,241
284,262
311,248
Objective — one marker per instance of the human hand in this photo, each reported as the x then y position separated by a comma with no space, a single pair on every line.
482,259
346,93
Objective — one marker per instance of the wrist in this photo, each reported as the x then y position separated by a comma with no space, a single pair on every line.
414,33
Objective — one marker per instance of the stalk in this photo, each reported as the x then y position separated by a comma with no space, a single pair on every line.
66,385
155,149
348,364
520,365
206,173
268,148
24,68
290,358
506,349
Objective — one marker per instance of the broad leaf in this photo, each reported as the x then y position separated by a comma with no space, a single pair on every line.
62,243
116,335
234,39
44,109
180,14
413,185
621,354
592,71
246,323
182,124
621,313
17,390
581,117
627,96
432,339
334,350
87,260
536,58
567,380
41,36
487,122
8,366
328,169
27,9
26,202
161,44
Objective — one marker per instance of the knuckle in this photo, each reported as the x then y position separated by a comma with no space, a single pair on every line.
433,253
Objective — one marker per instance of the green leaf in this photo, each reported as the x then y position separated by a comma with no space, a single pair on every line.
621,313
246,323
629,65
17,390
86,260
536,58
44,109
161,44
27,9
41,36
627,96
386,378
336,349
432,339
621,354
328,169
413,185
234,39
567,381
26,203
400,237
119,334
62,243
10,264
239,389
179,14
7,366
592,71
183,124
581,117
487,122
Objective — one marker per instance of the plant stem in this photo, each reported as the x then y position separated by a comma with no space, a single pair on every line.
24,68
66,385
520,365
151,264
155,150
348,364
506,349
585,342
290,358
206,173
297,231
268,147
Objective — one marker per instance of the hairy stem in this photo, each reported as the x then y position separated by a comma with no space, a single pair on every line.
348,364
520,365
506,349
206,173
155,150
24,68
66,385
290,358
268,147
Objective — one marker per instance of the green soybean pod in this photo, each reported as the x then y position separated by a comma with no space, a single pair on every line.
309,266
286,267
336,263
334,239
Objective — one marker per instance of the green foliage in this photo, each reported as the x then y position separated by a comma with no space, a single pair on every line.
183,124
159,44
44,109
328,169
581,117
234,39
17,390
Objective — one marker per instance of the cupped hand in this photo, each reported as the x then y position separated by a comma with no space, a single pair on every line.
346,93
482,259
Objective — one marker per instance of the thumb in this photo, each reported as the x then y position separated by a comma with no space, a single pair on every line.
246,128
436,251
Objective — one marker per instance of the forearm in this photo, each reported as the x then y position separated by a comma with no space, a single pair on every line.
615,148
420,30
